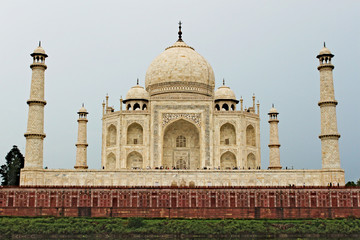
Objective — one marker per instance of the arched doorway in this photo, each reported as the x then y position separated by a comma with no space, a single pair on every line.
227,134
227,161
134,134
134,160
111,162
111,136
250,136
251,161
181,147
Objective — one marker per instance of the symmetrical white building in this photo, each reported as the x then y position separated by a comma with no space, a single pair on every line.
179,130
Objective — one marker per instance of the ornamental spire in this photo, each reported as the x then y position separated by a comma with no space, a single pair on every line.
180,33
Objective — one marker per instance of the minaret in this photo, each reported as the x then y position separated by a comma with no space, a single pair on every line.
242,104
274,145
329,133
35,126
253,98
81,145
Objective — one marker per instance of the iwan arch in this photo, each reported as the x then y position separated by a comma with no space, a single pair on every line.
179,130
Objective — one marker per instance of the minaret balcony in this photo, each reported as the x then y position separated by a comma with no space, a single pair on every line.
38,64
327,103
325,65
36,101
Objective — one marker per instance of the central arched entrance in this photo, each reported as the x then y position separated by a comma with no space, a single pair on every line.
181,147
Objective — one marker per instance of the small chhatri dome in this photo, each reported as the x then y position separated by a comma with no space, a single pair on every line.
273,110
82,110
325,51
180,69
39,50
137,92
224,93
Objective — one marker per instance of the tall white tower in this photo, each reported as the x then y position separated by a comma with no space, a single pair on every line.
274,145
329,133
81,145
35,127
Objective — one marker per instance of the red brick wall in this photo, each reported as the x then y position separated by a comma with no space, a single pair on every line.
210,202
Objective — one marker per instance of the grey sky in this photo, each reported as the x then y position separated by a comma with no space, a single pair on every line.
262,47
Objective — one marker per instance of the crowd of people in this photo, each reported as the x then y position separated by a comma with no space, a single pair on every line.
204,168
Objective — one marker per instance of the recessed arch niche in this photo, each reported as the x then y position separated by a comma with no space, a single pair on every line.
250,136
134,160
251,161
134,134
185,155
227,134
111,136
228,160
111,162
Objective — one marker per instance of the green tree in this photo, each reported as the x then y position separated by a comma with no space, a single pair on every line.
358,182
10,171
350,184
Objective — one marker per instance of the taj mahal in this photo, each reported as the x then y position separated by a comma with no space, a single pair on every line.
178,130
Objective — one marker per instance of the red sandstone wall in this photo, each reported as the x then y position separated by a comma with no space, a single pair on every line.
209,202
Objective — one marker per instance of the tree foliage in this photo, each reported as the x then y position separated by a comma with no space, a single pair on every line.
10,171
353,184
350,184
120,228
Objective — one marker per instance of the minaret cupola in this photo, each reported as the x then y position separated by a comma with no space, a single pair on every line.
325,57
39,56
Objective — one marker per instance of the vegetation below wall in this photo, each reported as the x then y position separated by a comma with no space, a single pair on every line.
110,227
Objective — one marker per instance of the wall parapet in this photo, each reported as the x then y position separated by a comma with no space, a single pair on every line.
188,202
166,177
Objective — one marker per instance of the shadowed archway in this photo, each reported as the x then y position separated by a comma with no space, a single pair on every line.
181,147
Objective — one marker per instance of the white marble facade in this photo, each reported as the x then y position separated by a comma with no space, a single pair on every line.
180,130
178,121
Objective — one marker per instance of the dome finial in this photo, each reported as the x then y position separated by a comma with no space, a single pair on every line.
83,105
272,105
223,81
324,44
180,33
137,81
39,43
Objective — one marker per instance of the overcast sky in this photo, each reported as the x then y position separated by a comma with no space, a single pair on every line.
264,47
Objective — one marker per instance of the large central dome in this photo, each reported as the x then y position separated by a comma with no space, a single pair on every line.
180,69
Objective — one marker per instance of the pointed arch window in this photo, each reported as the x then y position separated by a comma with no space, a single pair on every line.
180,141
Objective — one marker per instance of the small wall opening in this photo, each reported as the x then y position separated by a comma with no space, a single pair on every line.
225,107
217,107
136,107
